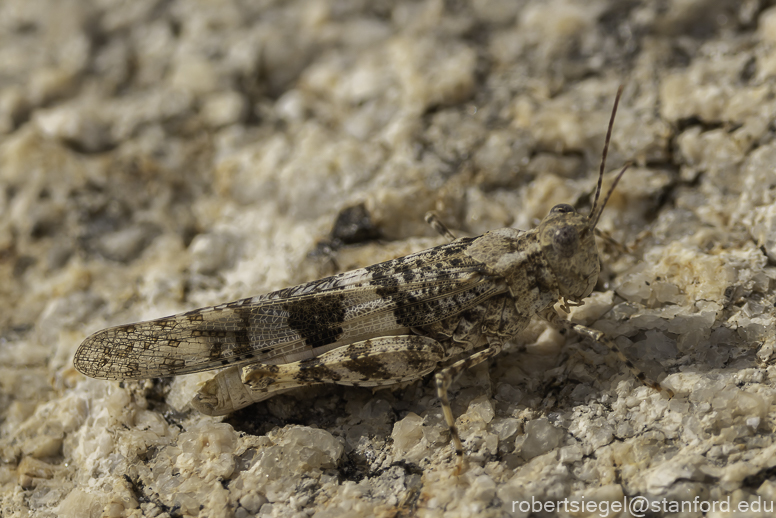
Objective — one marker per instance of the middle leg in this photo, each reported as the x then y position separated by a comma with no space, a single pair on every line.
445,378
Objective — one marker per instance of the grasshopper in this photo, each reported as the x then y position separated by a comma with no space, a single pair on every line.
386,324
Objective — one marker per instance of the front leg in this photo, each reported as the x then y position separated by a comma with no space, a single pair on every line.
554,319
376,362
601,338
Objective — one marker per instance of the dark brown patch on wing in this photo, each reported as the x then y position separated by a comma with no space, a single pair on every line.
317,319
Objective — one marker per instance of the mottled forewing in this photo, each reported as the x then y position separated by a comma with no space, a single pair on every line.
294,323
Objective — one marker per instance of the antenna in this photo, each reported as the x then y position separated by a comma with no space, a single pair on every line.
603,159
609,193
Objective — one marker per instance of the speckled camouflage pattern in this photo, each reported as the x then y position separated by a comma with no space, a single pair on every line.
381,325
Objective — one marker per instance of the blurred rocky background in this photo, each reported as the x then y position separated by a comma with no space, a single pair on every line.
159,156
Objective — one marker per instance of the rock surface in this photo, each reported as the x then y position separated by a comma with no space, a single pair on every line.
162,156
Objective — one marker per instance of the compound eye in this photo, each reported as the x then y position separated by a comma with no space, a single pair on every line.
562,208
566,240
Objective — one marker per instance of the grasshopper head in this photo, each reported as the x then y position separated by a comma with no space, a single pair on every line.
567,238
568,244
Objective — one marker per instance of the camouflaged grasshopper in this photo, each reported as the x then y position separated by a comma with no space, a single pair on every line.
378,326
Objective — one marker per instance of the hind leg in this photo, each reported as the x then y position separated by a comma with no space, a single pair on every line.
376,362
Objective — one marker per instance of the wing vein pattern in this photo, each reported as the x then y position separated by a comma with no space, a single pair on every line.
297,322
